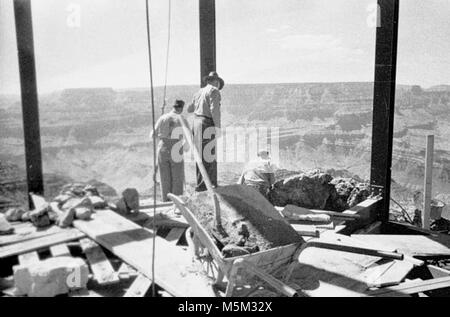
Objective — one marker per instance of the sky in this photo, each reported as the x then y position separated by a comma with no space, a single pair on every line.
102,43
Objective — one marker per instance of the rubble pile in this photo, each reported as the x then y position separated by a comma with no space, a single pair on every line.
318,190
75,201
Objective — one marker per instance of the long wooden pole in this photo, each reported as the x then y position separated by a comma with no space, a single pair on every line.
188,135
428,182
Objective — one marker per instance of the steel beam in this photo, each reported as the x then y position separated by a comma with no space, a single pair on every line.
30,108
207,14
384,101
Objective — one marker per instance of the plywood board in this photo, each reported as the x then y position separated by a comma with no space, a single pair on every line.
413,245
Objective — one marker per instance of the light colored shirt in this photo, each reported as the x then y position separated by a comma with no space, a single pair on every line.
259,171
206,102
165,126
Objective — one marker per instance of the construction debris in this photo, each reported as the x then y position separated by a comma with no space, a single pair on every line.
51,277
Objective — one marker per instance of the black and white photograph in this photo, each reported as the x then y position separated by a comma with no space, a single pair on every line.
224,153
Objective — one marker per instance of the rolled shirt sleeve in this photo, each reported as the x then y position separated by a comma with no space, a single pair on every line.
215,107
191,107
157,126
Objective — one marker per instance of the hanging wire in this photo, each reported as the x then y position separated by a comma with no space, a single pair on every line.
154,146
405,213
167,55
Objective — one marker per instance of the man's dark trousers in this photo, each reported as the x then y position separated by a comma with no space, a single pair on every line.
209,157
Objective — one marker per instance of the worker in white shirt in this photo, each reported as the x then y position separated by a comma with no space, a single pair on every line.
259,174
170,151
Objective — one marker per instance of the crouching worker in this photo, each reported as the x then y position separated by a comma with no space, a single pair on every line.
259,174
170,151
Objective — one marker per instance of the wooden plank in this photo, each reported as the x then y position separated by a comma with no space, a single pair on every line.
437,271
428,182
139,287
28,258
101,267
412,287
39,243
26,231
413,245
133,244
174,235
367,210
60,250
125,271
306,230
389,273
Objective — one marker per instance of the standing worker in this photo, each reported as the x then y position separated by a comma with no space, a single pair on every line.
170,151
206,109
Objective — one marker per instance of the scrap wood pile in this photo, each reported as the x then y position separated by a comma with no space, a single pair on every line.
249,222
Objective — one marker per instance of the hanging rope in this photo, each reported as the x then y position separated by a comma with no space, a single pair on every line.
167,56
154,145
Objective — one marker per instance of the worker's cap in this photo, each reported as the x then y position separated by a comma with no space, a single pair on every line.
214,76
178,103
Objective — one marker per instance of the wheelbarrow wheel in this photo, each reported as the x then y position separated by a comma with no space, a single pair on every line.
201,254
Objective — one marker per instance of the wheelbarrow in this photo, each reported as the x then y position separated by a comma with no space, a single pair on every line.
239,270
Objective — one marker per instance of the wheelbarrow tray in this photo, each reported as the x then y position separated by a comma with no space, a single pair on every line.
268,261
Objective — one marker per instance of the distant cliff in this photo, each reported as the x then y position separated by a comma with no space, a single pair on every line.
102,133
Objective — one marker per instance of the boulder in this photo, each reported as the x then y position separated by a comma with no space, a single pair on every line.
14,214
82,206
66,219
51,277
5,226
39,216
98,202
308,190
131,199
349,192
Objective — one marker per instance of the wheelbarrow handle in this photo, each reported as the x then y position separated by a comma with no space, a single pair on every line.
269,279
358,250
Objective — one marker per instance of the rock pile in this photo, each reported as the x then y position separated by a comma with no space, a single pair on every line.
318,190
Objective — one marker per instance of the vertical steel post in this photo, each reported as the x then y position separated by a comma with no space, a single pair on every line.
30,108
428,182
384,101
207,15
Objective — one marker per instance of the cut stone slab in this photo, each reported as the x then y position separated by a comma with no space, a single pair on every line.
5,226
51,277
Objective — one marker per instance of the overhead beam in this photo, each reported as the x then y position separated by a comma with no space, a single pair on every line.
384,101
30,108
207,15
